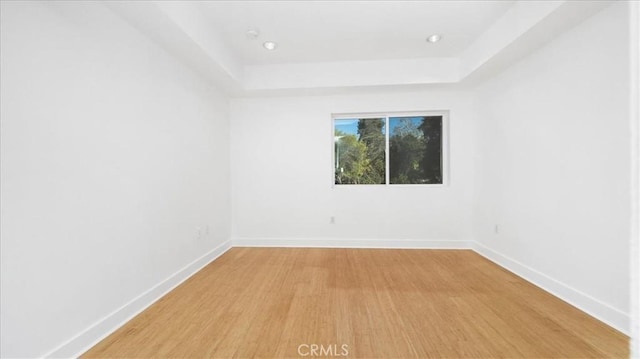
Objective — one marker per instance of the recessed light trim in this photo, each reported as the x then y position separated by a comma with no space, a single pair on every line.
252,34
434,38
270,45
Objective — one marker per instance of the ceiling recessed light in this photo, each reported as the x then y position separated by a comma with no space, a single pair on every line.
252,34
434,38
270,45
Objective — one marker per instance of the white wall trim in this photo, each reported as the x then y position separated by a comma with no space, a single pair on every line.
586,303
352,243
89,337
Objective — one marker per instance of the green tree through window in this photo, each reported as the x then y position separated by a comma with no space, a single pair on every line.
415,150
360,154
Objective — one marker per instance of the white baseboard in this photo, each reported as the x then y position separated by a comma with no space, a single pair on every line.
89,337
352,243
592,306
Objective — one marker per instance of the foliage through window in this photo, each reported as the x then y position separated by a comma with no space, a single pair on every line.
389,149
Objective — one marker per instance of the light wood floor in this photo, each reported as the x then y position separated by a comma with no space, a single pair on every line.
266,302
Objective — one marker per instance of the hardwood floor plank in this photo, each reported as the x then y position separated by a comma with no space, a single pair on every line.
267,302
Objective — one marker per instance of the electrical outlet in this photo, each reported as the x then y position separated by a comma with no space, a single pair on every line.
496,229
332,220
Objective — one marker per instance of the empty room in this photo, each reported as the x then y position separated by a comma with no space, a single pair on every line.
300,179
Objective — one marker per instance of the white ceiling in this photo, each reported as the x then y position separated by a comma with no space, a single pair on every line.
332,45
322,31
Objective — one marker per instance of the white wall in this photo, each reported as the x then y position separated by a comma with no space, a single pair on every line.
112,154
634,253
282,175
552,169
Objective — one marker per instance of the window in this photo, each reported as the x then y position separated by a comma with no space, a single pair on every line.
390,149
